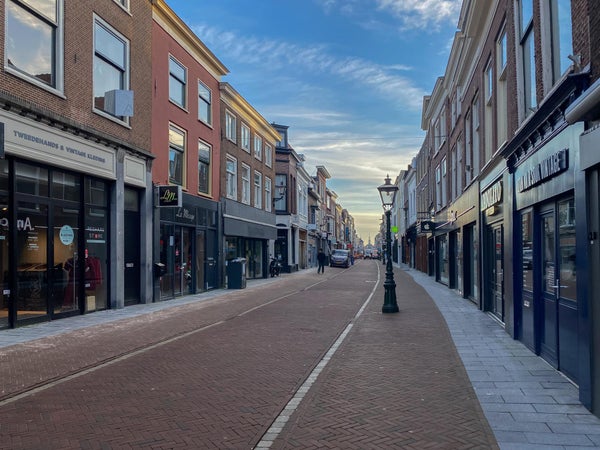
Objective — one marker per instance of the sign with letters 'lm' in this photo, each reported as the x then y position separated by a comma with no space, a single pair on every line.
169,196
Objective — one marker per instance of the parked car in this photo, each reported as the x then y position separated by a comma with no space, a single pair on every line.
339,258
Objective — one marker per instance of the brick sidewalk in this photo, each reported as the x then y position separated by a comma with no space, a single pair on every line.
397,381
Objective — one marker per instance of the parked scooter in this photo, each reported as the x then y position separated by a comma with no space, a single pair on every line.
274,267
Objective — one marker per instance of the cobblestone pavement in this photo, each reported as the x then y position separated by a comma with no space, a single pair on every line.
301,361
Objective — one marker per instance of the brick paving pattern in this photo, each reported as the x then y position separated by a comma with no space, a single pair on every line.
216,374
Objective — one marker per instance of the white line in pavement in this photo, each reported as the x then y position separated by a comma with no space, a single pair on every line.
281,420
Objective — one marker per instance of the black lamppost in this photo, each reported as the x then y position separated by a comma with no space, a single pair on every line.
387,191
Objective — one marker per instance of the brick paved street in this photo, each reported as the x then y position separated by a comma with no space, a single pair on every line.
302,361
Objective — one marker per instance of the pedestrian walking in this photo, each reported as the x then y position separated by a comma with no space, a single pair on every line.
321,260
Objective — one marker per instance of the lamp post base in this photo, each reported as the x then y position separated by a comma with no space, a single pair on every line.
389,304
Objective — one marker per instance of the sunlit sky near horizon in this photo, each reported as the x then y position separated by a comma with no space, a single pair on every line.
347,76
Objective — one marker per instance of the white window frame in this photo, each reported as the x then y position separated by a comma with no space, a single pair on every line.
182,82
268,194
124,70
231,126
258,147
231,177
58,64
268,155
245,137
438,188
258,189
245,184
205,100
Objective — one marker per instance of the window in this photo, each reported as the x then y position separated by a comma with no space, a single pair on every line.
231,169
526,43
257,147
488,146
475,136
176,155
268,155
501,92
34,42
562,37
257,190
438,188
177,82
123,3
245,184
245,144
204,152
268,194
444,182
280,190
204,103
111,62
454,174
230,127
459,170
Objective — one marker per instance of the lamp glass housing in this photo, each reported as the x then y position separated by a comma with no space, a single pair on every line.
387,191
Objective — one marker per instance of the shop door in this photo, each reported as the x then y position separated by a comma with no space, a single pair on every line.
497,272
549,298
200,260
211,274
132,257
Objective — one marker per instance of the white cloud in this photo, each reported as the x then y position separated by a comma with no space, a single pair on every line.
276,55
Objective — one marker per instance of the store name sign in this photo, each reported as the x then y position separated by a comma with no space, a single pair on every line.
492,196
169,196
547,168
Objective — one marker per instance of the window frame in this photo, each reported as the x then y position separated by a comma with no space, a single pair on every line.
180,150
125,71
258,189
268,155
268,183
231,177
205,101
206,162
231,126
245,137
245,176
58,86
183,83
258,147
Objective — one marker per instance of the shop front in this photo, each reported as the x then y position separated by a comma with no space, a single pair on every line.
495,246
58,232
546,250
188,248
248,232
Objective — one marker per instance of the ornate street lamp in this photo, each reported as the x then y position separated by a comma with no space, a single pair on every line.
387,191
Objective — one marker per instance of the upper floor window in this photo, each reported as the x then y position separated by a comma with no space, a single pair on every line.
176,155
527,50
268,194
438,188
268,155
177,82
204,151
562,36
258,144
230,127
245,184
231,174
204,103
123,3
280,192
257,189
245,137
34,41
111,62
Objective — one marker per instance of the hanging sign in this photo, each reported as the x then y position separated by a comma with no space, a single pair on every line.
169,196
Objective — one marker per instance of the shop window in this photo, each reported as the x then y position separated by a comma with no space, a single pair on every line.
66,186
31,179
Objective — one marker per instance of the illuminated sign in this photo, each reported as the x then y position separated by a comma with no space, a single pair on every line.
169,196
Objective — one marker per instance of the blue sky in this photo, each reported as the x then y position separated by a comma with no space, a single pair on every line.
347,76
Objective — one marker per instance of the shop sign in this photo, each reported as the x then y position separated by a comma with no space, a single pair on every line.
169,196
546,169
491,196
427,226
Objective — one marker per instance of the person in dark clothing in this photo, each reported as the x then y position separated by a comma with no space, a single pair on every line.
321,260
